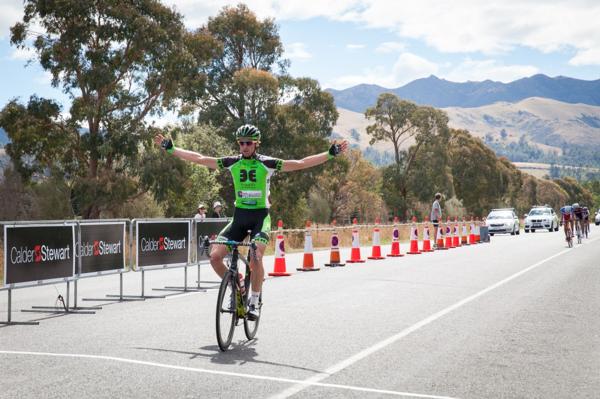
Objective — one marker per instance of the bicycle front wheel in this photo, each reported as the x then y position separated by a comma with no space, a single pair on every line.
226,312
250,326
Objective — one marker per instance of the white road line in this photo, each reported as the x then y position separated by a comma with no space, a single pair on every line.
369,351
225,373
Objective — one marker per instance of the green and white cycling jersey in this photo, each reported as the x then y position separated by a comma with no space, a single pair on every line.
251,179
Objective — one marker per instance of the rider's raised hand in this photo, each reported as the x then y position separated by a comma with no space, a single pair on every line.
337,149
164,143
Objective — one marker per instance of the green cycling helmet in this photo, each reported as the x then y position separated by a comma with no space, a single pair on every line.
248,131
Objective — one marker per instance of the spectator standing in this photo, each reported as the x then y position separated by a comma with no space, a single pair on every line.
218,210
201,212
436,216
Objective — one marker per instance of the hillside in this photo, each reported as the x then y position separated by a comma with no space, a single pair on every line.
543,123
442,93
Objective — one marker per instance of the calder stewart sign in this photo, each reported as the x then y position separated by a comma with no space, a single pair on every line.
38,252
162,243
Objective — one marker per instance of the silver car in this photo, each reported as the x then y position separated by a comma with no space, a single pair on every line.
541,217
597,218
503,220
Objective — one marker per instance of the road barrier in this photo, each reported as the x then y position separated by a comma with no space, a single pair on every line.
50,252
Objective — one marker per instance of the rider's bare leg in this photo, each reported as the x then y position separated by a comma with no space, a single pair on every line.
258,270
217,253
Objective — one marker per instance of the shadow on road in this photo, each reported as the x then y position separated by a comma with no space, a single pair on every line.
241,353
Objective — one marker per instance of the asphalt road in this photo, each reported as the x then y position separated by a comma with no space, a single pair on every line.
516,318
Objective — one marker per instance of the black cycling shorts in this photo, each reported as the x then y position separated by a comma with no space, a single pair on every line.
255,221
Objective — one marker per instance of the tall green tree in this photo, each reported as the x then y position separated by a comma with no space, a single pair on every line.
119,62
247,83
404,123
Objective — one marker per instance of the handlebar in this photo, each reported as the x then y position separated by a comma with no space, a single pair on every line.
207,242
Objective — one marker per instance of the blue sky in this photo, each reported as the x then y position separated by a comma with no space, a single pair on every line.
342,43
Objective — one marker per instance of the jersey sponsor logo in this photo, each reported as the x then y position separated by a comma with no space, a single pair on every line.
38,254
100,248
161,244
250,194
246,175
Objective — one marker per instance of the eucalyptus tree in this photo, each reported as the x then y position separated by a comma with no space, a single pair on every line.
119,62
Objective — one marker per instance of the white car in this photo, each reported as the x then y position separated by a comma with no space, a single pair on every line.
597,218
541,217
503,221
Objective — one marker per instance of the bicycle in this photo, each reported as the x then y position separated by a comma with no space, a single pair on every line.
232,300
568,234
578,230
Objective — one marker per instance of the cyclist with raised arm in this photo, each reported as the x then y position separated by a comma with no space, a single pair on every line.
251,173
567,220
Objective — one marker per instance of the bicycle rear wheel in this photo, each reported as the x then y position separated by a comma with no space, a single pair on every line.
251,326
226,316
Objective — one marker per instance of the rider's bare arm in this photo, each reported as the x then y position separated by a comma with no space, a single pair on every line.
191,156
310,161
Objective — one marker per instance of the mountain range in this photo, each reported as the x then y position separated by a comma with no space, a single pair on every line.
542,123
441,93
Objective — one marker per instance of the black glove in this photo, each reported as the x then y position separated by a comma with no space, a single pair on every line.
167,145
335,150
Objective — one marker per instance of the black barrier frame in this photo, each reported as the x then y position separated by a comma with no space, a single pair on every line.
195,259
29,284
197,245
135,250
120,272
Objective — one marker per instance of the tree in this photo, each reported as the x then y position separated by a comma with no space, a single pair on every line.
397,121
247,83
119,62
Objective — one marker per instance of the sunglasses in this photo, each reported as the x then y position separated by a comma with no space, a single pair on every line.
243,143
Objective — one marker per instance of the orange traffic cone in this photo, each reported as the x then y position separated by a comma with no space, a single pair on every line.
376,249
395,241
472,232
308,264
426,238
334,255
456,241
279,269
464,236
477,231
355,254
414,238
448,234
440,237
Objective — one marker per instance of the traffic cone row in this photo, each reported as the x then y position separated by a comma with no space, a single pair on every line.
448,235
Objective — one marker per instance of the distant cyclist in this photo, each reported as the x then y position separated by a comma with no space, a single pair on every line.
251,174
567,220
586,221
578,213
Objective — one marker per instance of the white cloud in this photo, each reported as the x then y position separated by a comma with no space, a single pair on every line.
586,57
478,70
24,54
390,47
11,11
355,46
407,67
297,51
